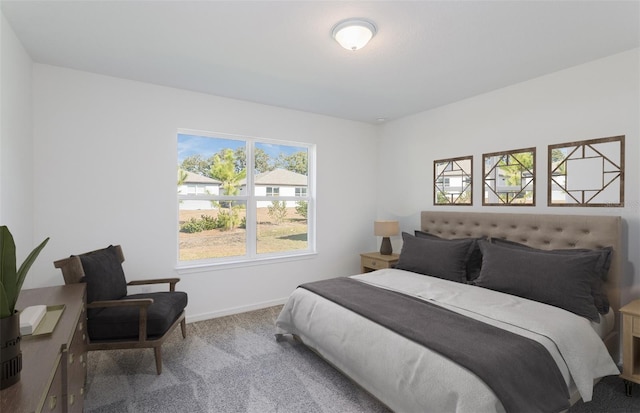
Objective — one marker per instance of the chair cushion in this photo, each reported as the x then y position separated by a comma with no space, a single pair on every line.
104,275
121,323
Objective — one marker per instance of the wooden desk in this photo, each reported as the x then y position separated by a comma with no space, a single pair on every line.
54,366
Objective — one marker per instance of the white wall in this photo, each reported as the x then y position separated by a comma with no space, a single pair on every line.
94,135
71,142
594,100
16,143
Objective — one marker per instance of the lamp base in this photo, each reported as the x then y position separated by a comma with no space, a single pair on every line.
385,247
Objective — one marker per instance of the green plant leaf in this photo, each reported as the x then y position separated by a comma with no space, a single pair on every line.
11,280
8,267
4,303
26,265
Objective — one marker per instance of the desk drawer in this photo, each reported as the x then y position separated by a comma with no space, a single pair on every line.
54,400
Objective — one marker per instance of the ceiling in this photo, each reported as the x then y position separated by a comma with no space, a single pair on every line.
426,53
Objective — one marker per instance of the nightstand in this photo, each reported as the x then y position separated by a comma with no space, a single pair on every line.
371,261
630,344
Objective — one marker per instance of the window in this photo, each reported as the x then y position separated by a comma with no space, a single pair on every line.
227,214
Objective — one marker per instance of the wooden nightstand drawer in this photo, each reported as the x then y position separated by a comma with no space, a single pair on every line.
372,261
636,326
630,344
373,264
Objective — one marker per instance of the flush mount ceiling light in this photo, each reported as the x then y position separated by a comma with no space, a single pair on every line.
354,34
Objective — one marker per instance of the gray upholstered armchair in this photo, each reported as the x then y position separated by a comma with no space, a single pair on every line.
116,320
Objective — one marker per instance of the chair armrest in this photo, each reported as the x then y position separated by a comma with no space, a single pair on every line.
171,281
140,302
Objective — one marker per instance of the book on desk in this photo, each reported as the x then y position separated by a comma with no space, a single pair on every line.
30,318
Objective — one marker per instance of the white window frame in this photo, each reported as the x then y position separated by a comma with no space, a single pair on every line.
248,196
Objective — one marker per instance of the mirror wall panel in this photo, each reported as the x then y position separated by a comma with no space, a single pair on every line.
586,173
453,180
509,178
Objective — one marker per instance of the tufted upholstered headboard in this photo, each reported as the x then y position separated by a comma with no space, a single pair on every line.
544,232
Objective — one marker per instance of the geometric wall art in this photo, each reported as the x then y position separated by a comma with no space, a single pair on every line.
509,178
586,173
452,183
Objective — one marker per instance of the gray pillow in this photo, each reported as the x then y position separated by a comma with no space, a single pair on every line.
475,259
436,257
560,280
598,292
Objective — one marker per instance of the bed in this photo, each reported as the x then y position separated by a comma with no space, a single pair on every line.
402,372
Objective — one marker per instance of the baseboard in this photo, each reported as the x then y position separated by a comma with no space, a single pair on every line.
234,310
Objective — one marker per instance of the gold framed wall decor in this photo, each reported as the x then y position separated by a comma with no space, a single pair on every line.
509,178
587,173
453,181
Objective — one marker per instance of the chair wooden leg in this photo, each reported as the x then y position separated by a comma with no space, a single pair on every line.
158,353
183,327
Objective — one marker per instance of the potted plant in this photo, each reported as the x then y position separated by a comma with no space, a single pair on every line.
10,285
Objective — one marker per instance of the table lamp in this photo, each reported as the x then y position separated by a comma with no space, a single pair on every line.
386,229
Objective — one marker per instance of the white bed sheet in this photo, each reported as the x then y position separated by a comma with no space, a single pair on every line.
606,324
410,378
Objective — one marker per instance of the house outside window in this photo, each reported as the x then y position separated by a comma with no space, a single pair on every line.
227,214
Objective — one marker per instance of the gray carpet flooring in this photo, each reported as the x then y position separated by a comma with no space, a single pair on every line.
233,364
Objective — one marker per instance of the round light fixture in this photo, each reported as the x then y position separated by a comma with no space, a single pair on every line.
354,34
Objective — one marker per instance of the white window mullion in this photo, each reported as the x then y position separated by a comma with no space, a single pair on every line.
311,199
252,230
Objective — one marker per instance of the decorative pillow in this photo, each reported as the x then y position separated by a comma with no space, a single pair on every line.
598,292
560,280
475,260
436,257
104,275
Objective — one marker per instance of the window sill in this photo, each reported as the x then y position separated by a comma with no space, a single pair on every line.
209,266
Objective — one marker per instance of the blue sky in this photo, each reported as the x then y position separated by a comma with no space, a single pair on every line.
189,145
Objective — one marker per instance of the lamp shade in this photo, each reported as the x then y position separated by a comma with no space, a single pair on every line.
386,228
353,34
